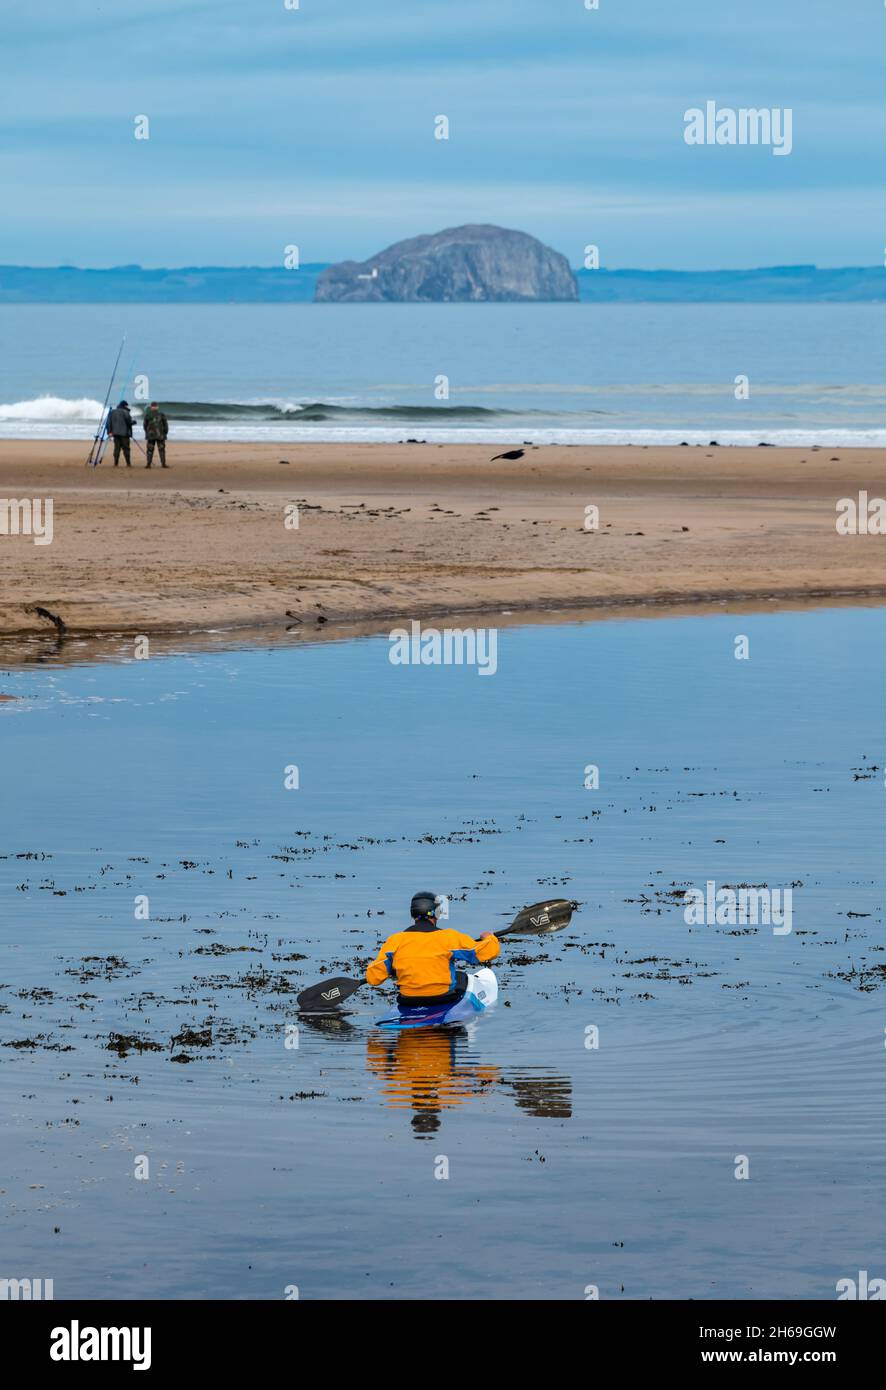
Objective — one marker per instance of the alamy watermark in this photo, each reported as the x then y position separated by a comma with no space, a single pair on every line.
740,907
76,1343
863,1289
861,516
28,1290
27,516
453,646
745,125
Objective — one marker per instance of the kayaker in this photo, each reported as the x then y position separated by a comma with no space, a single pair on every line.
424,959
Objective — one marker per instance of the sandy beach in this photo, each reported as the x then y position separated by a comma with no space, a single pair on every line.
419,530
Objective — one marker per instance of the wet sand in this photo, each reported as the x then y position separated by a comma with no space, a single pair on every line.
395,532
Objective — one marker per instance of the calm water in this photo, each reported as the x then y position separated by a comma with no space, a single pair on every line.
567,1166
613,373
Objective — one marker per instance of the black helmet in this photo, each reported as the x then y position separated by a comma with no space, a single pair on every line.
424,905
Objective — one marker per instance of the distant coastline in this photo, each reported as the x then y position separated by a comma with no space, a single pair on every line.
131,284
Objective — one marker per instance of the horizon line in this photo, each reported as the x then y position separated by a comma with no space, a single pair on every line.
313,265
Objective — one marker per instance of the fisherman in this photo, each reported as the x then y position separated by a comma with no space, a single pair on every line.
119,427
424,958
156,428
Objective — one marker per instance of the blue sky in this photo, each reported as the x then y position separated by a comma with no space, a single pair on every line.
315,126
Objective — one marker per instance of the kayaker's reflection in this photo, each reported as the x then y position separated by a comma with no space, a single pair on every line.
428,1070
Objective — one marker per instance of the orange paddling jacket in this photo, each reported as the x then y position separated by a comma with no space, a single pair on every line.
423,959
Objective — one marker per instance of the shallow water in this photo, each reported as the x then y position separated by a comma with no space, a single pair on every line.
568,1166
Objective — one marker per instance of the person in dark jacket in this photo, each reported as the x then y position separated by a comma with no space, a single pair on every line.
120,430
156,429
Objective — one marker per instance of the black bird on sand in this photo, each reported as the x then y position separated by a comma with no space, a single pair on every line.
511,454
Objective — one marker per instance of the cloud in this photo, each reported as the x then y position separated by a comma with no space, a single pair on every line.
259,113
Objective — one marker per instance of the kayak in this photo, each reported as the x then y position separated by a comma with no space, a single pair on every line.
481,994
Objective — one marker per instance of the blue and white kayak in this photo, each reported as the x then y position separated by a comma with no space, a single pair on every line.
481,994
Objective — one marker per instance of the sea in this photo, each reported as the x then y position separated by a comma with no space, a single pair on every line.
586,373
656,1107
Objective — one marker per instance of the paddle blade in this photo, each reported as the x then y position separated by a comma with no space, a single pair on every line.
328,993
552,915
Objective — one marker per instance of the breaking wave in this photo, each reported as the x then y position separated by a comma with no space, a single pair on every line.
312,412
53,409
347,419
57,409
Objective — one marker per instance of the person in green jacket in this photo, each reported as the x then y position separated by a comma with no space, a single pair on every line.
156,428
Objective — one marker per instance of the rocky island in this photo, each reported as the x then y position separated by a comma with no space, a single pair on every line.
474,264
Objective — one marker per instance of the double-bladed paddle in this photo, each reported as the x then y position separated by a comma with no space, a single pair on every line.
552,915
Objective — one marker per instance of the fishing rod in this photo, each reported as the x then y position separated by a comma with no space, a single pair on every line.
127,376
98,443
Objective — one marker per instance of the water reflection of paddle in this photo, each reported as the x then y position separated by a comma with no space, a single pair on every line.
546,1097
331,1022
